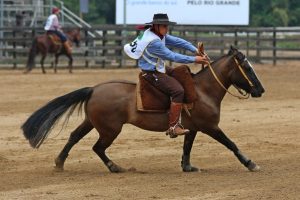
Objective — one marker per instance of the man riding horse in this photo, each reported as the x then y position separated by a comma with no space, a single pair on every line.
53,27
151,52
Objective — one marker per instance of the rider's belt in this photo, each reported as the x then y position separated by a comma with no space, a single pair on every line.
144,72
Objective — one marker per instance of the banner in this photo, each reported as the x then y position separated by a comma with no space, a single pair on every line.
188,12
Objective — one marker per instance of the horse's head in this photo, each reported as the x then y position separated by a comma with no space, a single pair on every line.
74,36
243,75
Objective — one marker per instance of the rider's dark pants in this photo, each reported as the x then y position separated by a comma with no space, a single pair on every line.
62,36
165,83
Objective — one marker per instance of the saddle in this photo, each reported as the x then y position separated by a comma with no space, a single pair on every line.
54,38
150,99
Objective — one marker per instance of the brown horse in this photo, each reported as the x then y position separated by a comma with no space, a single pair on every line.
43,44
110,105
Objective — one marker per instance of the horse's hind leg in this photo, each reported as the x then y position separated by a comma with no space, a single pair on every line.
219,135
107,136
83,129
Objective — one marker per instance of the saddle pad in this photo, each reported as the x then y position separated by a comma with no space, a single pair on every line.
150,99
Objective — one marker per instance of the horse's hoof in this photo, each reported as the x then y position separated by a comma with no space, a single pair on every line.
190,168
131,169
115,168
252,167
59,164
58,169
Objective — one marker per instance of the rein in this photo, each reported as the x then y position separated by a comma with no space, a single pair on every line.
246,95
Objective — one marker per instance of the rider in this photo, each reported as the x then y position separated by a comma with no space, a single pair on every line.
53,26
151,52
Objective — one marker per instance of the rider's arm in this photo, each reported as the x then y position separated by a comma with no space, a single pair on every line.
158,49
180,43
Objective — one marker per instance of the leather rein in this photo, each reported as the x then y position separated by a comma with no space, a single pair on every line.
245,95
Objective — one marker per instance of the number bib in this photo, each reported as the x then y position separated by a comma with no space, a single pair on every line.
136,48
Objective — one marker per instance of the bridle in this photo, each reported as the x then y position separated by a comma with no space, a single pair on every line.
245,95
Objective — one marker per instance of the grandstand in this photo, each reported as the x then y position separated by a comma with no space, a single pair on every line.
33,13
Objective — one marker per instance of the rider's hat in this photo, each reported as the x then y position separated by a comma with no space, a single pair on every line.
54,10
161,18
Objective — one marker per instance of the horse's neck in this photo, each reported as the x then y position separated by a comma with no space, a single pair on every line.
207,83
70,36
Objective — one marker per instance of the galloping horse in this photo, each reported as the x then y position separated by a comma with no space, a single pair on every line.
43,44
111,104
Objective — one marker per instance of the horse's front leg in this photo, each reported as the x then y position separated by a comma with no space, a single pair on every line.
219,135
70,62
187,147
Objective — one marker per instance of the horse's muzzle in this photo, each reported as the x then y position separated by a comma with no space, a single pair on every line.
257,92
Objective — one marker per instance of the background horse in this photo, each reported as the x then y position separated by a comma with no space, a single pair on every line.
110,105
43,44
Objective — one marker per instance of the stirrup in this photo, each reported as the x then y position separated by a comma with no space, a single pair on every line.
171,130
171,133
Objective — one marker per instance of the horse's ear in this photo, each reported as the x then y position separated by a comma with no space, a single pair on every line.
232,50
200,48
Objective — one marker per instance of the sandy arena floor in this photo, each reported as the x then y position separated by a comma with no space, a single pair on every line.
266,129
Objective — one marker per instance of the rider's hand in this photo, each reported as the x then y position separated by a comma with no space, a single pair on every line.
201,60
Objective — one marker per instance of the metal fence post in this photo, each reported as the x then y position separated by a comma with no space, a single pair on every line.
235,38
274,46
257,46
86,53
124,33
1,27
14,52
247,43
104,41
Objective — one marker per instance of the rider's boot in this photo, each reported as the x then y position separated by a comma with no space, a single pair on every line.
68,47
175,127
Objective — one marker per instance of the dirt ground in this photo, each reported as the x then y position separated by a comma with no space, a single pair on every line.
266,129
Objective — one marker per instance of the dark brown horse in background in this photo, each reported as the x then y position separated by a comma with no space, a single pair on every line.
110,105
43,44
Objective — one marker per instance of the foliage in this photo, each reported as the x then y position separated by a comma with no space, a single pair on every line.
275,13
100,11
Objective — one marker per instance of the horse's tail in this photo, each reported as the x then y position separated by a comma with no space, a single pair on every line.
32,54
39,125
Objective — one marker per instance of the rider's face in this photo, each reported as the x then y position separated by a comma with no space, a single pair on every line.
163,29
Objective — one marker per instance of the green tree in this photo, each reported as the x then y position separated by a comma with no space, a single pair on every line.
100,12
275,13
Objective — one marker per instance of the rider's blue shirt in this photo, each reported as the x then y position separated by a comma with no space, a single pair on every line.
156,53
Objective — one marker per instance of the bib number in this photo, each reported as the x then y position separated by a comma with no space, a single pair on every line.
133,46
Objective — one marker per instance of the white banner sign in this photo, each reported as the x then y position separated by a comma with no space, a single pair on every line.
194,12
